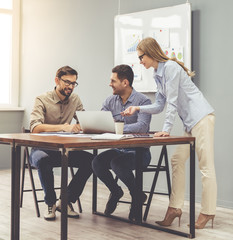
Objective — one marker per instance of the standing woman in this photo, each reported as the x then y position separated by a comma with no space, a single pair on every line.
179,93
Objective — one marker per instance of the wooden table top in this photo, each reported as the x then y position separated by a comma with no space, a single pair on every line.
53,141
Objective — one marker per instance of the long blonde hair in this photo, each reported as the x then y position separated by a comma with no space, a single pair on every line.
151,48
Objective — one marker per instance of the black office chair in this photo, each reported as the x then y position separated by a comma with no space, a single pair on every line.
160,167
27,165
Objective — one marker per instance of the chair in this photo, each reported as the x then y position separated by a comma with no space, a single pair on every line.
27,165
157,169
160,167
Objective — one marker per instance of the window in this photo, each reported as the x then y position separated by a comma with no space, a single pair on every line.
9,52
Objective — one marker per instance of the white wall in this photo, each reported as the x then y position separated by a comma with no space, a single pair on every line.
79,33
76,33
10,122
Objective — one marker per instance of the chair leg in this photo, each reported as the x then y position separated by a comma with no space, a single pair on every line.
116,178
23,177
79,205
27,164
78,200
32,184
154,184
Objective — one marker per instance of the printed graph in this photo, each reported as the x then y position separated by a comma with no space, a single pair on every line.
132,43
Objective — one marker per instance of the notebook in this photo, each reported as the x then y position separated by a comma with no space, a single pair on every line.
96,121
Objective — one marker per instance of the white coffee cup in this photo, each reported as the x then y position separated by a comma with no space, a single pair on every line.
119,127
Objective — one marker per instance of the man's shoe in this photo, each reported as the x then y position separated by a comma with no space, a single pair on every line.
70,210
112,201
49,214
133,216
133,213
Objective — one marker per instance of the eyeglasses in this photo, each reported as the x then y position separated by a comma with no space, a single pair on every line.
68,83
141,56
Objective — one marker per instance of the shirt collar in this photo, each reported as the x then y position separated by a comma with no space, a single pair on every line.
131,97
159,71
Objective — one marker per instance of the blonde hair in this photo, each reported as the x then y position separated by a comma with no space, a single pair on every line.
151,48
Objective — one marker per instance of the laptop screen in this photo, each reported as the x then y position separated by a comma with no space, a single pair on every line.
96,121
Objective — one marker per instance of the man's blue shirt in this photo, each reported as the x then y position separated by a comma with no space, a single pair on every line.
138,122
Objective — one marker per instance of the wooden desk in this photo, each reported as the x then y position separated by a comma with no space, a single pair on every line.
66,144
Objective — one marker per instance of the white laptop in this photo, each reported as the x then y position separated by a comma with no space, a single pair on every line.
96,121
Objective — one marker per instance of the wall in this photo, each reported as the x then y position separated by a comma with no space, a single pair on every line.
57,33
80,33
10,122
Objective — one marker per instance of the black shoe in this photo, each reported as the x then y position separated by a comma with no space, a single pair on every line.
133,209
112,201
133,213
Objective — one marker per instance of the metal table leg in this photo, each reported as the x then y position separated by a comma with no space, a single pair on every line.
139,184
15,193
192,190
94,188
64,165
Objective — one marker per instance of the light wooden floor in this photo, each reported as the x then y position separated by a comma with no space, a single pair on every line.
89,227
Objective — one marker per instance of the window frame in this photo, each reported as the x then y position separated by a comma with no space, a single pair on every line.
14,81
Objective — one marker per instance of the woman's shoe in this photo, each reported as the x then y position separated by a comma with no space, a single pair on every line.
171,214
203,219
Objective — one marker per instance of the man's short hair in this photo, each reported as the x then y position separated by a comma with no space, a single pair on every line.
66,70
124,71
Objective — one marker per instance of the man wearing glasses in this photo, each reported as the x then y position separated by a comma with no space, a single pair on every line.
53,112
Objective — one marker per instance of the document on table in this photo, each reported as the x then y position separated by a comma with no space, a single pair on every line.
111,136
65,134
104,136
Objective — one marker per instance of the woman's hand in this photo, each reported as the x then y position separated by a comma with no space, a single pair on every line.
130,111
161,134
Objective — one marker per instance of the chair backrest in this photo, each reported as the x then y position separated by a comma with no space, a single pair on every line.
25,130
26,150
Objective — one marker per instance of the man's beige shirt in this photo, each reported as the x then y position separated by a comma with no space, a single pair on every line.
49,109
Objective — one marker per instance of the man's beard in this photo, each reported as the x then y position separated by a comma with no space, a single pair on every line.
64,93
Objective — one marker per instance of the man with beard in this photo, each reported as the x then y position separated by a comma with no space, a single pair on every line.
53,112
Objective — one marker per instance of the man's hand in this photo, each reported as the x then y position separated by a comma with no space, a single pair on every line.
71,128
76,128
161,134
130,111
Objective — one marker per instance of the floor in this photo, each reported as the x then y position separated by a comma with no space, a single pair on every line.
89,226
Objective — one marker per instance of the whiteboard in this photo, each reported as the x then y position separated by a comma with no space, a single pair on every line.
170,26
